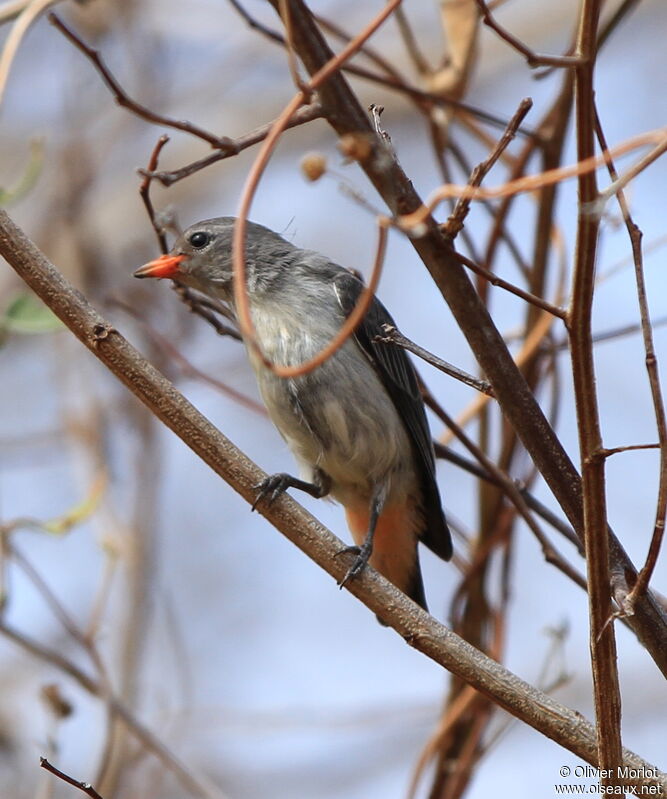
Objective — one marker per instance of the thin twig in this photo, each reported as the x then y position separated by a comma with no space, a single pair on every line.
86,787
607,451
443,143
222,143
534,59
392,335
410,43
197,304
145,192
611,335
651,362
376,112
413,222
515,496
292,60
201,307
367,51
470,466
532,343
455,221
494,210
621,181
551,129
495,280
300,117
186,367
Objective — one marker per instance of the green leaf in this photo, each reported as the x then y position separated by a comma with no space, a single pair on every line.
27,314
29,177
80,512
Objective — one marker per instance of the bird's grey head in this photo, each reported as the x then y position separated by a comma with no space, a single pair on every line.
202,257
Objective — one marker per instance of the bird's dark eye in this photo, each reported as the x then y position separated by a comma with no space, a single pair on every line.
199,239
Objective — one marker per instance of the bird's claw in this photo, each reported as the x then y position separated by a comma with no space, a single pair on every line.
363,554
271,488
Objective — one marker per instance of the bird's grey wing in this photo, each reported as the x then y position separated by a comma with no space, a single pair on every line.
399,378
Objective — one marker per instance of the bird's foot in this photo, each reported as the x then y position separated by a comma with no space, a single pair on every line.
271,488
363,554
276,484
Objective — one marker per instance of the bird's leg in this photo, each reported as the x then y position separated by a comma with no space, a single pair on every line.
366,549
274,485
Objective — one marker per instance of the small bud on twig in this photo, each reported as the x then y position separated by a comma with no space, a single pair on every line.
313,166
355,146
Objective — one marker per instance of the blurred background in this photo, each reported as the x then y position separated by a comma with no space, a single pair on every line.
231,648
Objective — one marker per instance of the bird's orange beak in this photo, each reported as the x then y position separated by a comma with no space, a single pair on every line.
164,266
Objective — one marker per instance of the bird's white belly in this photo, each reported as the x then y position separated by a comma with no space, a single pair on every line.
357,439
337,418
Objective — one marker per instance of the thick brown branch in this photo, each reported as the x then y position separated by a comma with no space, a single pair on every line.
601,637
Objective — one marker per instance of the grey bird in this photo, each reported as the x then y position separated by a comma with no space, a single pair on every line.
356,424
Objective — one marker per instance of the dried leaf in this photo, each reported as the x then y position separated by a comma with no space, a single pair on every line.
460,23
27,314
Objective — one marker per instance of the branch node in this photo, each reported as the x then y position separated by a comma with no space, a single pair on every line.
100,332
